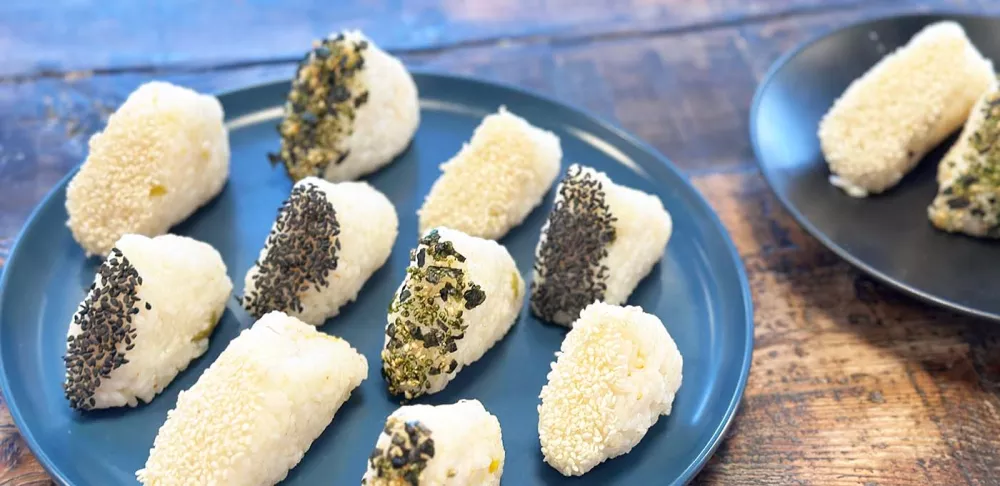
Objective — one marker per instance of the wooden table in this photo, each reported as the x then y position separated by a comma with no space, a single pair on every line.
852,383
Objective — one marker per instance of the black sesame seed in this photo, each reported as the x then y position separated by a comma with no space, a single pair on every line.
300,255
104,321
571,262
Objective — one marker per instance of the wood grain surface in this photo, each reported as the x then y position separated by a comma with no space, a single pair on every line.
852,383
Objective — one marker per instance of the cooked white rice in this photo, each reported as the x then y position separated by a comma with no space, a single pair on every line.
600,240
328,240
154,304
497,178
254,413
486,289
617,371
163,154
903,107
448,445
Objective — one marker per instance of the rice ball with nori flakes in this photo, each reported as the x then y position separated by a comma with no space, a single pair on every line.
599,242
616,373
163,154
495,181
448,445
150,311
351,110
461,295
253,414
327,241
968,199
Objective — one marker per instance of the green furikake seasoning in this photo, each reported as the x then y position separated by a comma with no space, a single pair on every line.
106,332
571,260
303,248
321,107
405,457
977,189
427,317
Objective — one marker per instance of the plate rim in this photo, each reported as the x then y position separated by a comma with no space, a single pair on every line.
717,436
801,219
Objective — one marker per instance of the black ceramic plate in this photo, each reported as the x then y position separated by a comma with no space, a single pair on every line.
887,235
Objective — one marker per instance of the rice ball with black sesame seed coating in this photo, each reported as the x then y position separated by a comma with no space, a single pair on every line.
150,311
900,109
495,180
351,110
447,445
163,154
615,374
460,296
600,240
253,414
327,241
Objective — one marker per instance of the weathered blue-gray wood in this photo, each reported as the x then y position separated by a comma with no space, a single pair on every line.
852,383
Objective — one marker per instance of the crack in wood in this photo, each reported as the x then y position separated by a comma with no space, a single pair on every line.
553,38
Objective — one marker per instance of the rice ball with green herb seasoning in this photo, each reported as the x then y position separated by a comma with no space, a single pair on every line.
968,199
351,110
600,240
327,241
461,295
495,180
617,372
150,311
163,154
448,445
253,414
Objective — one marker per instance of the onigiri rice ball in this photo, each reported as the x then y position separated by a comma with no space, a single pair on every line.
150,311
616,373
968,176
351,110
495,181
901,108
163,154
444,445
460,296
327,241
253,414
600,240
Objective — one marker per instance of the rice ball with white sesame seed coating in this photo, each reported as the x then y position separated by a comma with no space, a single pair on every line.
495,180
253,414
163,154
615,374
444,445
461,295
904,106
327,241
150,311
351,110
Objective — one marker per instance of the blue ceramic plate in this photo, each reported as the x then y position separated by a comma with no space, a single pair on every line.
699,290
888,235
